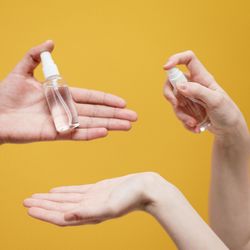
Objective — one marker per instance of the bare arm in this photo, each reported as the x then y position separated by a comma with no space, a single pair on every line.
108,199
229,196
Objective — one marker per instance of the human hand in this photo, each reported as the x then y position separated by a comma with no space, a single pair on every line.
93,203
25,117
223,113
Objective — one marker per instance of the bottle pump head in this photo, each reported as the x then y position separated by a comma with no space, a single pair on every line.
174,73
48,65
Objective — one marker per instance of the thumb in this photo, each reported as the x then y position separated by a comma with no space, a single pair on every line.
86,214
77,214
32,58
72,216
197,91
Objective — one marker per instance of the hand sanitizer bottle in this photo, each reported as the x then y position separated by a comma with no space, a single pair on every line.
192,107
58,96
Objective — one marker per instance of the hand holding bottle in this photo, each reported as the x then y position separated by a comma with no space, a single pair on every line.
24,113
223,113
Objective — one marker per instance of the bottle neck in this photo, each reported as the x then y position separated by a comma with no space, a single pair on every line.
53,81
52,77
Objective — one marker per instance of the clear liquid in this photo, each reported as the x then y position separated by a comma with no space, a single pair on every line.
61,106
195,109
192,107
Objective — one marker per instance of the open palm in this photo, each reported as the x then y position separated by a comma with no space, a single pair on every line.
25,117
91,203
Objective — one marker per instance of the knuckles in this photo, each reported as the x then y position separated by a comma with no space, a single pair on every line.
190,53
218,101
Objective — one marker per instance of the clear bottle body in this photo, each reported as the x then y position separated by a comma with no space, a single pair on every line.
61,104
190,106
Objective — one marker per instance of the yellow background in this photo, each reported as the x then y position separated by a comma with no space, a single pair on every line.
118,47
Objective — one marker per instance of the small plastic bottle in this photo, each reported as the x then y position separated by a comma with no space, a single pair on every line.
58,96
190,106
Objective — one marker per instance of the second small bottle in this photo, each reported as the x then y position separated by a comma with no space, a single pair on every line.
192,107
58,96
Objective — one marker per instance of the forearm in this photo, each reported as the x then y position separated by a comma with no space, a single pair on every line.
181,221
229,195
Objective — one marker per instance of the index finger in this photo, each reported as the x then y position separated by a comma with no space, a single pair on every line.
189,59
197,70
97,97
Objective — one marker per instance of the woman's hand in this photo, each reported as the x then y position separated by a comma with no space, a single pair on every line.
25,117
224,115
94,203
229,195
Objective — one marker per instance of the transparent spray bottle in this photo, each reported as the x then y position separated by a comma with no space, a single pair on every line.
58,96
191,106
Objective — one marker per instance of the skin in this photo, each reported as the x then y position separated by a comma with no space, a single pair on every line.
229,192
229,206
25,117
108,199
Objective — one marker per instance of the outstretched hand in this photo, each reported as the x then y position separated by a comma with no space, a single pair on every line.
25,117
108,199
92,203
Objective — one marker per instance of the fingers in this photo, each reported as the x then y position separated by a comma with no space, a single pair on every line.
72,189
210,98
32,58
197,70
186,119
59,197
87,214
64,214
106,112
74,216
49,205
54,217
83,134
195,129
189,59
108,123
97,97
169,94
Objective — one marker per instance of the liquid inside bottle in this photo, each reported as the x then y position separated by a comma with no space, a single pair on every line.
192,107
61,104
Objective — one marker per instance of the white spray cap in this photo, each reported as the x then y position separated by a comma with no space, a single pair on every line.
49,67
176,76
174,73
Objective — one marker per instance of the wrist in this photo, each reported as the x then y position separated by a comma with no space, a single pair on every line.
158,194
237,136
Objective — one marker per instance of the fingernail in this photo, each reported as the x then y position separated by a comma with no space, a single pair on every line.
134,116
167,65
49,41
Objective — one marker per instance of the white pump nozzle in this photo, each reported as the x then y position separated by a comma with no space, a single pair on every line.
49,67
174,73
176,76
